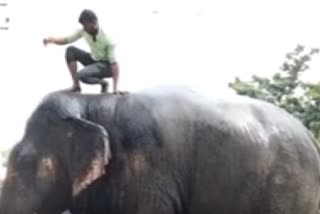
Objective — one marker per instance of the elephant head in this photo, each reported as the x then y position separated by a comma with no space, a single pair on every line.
59,155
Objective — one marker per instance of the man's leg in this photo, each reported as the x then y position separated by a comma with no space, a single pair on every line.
115,76
94,74
73,55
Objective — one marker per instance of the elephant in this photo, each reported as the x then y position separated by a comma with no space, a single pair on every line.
161,151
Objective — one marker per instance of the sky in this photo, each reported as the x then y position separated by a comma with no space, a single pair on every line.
203,44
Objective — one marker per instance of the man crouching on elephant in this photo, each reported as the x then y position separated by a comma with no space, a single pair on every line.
98,65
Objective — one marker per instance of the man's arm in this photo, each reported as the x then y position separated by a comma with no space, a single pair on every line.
115,76
64,40
56,41
114,68
114,64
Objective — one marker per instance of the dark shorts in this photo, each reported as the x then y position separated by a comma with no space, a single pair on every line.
93,71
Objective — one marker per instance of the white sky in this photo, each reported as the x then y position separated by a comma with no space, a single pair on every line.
200,43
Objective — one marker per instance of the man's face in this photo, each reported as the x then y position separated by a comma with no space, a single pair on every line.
90,27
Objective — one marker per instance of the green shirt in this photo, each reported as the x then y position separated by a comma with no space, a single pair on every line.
101,49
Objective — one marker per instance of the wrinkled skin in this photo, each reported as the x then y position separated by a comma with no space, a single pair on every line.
171,153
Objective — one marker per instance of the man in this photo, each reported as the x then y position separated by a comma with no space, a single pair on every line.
101,63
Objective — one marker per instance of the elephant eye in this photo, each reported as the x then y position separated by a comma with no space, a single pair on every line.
25,154
69,134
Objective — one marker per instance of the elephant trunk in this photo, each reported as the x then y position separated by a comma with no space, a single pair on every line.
16,200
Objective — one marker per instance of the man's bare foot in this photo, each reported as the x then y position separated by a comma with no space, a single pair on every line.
120,92
74,88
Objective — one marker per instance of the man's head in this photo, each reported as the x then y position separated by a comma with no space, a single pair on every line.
89,21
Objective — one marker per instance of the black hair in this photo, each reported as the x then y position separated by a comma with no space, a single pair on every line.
87,16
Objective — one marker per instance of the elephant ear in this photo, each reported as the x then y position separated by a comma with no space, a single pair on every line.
89,152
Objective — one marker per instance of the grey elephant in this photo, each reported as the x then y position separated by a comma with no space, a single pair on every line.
161,152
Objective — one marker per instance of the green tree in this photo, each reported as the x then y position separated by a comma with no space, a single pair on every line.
287,89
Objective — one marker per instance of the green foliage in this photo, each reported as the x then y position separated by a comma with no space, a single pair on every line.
286,89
